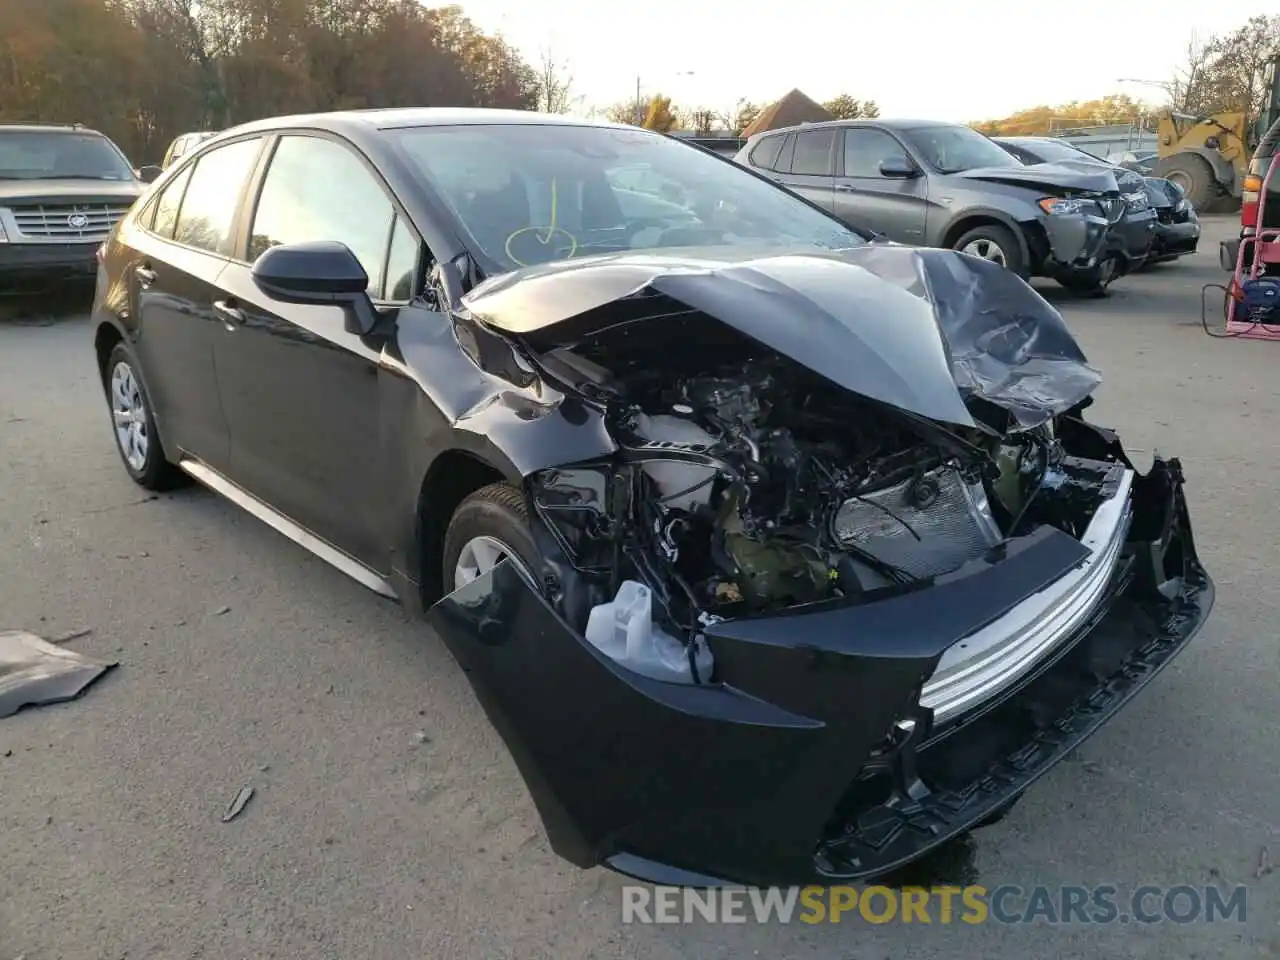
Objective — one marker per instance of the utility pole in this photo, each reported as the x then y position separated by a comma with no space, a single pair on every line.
639,112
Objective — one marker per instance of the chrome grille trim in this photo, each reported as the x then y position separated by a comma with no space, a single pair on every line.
66,223
992,659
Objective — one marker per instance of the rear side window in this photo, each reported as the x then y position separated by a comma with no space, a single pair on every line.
213,193
813,153
785,154
168,203
765,153
317,189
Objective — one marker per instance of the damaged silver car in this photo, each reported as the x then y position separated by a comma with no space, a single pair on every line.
775,555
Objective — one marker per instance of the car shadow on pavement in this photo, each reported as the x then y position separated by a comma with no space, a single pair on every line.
46,306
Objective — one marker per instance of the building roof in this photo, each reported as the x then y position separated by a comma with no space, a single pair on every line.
793,109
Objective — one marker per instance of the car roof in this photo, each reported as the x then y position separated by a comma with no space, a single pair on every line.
48,128
392,118
1033,140
894,124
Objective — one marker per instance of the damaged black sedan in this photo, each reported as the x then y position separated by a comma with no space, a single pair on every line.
776,555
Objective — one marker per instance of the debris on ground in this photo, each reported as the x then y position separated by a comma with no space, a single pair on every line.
1265,866
34,672
238,804
221,611
421,737
73,635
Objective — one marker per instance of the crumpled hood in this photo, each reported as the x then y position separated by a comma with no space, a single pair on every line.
1054,177
919,329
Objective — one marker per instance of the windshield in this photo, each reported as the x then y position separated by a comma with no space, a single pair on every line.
53,156
527,194
951,149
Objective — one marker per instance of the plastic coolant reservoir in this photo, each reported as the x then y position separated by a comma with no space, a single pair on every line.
624,631
683,486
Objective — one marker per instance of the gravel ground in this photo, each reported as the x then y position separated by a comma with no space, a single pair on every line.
388,820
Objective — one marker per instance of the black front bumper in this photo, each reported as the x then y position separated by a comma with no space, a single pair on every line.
22,262
811,760
1176,239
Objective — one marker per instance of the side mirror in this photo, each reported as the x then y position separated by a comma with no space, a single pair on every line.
322,272
898,168
149,173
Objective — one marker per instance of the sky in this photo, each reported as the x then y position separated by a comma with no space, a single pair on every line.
930,59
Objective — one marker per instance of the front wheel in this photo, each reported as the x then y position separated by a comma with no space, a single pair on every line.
990,241
489,526
1094,283
134,425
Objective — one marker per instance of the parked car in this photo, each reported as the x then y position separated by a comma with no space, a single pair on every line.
1143,162
1177,225
946,185
62,189
184,144
775,554
1136,232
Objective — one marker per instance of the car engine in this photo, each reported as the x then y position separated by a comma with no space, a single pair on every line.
767,497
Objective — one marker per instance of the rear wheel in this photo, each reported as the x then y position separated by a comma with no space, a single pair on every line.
134,426
1193,174
489,526
990,241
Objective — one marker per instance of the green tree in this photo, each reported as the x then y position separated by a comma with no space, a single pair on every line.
845,107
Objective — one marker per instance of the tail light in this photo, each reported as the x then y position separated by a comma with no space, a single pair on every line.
1249,198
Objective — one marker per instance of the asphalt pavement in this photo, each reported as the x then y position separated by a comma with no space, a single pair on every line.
388,821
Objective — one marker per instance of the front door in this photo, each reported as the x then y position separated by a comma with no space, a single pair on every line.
864,197
300,393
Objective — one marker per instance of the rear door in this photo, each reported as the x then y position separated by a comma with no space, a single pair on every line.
867,199
300,392
187,233
806,164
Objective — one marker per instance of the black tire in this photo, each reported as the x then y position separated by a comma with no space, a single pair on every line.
1095,283
496,511
1001,237
153,471
1194,174
998,814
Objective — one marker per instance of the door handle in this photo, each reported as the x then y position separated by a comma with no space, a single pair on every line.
146,276
230,313
846,188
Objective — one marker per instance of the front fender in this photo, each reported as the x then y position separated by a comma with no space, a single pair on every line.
956,225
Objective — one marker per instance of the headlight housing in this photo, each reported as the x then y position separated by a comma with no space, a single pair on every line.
1061,206
1137,200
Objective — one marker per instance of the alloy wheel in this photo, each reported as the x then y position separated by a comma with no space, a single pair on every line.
129,414
479,555
987,250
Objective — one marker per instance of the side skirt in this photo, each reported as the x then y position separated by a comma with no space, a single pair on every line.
304,538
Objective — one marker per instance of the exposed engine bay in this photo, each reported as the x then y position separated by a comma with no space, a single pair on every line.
756,487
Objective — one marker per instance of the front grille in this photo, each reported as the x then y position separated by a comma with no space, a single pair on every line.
1164,214
88,221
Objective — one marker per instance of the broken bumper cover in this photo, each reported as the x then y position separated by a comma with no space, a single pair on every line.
815,760
1076,243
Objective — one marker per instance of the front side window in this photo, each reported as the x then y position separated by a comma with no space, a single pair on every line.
213,193
865,148
318,189
952,148
39,155
533,193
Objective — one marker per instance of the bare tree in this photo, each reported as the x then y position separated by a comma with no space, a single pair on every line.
555,85
701,121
